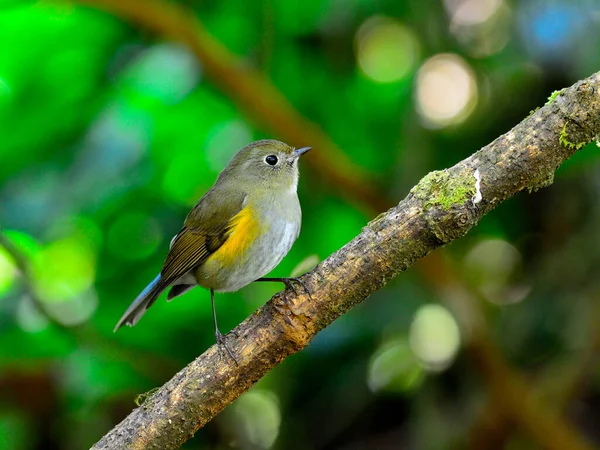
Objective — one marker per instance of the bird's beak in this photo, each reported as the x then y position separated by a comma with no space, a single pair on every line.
299,152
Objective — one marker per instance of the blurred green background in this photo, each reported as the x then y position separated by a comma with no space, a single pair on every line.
110,133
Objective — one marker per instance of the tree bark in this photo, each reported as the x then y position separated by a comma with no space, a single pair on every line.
442,207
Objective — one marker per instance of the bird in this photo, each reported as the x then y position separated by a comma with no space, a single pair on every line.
238,232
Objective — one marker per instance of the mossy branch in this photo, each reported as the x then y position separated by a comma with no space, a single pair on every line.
266,106
525,158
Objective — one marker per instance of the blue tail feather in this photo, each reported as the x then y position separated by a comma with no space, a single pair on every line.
142,302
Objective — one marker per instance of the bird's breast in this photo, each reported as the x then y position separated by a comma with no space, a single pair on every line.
257,243
244,229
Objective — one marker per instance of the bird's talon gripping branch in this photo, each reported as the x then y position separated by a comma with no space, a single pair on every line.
238,231
289,283
221,343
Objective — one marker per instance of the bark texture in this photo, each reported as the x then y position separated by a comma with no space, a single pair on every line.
441,208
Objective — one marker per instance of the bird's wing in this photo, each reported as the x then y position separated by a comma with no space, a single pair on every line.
206,228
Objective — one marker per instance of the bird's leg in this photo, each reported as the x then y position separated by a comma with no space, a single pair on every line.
289,283
220,338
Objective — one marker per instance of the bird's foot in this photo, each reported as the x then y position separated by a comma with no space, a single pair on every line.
222,344
290,283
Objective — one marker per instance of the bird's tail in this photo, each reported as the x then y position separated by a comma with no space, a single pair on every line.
143,301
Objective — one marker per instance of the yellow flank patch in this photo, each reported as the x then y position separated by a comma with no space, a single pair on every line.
243,231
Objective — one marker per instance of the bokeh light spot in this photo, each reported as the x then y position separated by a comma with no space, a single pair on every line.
117,139
224,140
8,271
492,259
84,227
64,269
166,72
482,27
75,310
434,337
386,49
134,235
446,91
490,265
257,418
29,317
24,242
471,12
394,368
553,26
305,265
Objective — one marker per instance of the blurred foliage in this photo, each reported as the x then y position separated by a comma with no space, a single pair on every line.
108,135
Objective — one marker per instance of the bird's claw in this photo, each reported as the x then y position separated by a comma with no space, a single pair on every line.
290,284
221,343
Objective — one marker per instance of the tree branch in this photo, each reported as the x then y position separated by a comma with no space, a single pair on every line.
437,211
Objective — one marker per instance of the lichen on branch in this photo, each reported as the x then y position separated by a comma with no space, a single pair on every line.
437,211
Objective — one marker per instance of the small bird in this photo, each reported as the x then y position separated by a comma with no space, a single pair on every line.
237,233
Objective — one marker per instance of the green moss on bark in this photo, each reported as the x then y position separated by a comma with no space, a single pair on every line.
439,189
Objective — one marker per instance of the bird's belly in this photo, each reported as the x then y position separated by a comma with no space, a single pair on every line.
258,259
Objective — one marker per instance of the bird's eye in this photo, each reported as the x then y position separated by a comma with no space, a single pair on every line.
271,160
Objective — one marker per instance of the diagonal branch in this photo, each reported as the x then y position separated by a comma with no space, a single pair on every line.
261,101
438,210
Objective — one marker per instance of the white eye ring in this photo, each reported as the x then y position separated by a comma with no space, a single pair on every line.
271,160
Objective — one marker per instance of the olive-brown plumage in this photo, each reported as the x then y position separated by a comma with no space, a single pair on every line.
238,231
